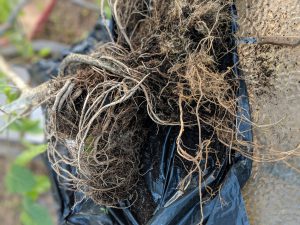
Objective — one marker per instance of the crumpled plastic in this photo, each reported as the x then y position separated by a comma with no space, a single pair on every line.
173,206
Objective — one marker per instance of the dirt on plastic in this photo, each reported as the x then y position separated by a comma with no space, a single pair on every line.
273,78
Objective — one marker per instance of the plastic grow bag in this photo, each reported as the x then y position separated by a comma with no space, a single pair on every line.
173,207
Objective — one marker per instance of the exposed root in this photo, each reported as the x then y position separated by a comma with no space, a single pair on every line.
165,67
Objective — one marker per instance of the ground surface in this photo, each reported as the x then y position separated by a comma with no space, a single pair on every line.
273,76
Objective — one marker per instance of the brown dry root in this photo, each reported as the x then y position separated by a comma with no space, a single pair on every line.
165,66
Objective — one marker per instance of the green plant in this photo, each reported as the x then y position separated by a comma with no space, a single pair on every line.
16,35
106,9
6,7
20,179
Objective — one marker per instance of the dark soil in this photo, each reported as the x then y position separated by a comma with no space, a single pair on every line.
263,72
144,206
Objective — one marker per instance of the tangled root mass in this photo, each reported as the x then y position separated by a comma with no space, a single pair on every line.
165,66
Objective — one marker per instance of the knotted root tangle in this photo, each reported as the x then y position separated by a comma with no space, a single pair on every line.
164,67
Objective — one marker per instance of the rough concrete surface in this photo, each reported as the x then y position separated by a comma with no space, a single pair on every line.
272,71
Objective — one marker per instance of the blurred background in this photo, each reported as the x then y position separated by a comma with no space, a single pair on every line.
31,30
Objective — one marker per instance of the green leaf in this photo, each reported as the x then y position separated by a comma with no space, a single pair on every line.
3,81
19,180
22,44
30,152
34,214
4,10
25,218
44,52
42,185
27,125
10,94
107,10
